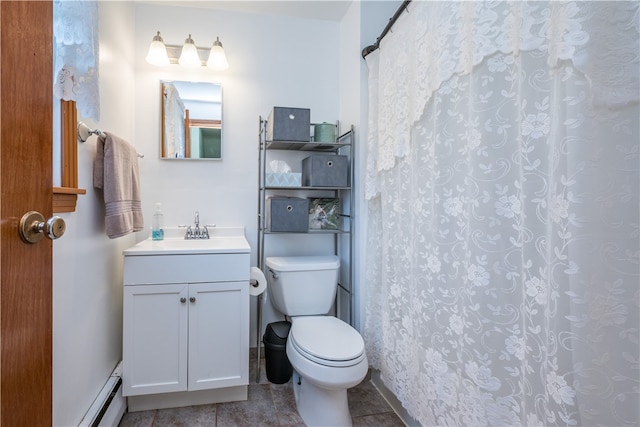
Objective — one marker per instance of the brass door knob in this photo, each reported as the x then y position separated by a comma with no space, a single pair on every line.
33,227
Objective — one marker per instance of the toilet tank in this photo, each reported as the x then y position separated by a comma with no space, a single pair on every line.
301,286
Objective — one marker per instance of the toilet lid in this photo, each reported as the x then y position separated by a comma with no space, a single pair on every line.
326,340
303,263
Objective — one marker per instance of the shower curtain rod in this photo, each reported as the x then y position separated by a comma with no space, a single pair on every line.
367,50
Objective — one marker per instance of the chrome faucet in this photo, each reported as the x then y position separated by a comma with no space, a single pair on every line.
197,229
197,232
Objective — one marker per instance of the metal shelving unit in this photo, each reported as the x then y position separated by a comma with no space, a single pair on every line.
344,237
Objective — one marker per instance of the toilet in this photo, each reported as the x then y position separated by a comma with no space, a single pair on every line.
326,353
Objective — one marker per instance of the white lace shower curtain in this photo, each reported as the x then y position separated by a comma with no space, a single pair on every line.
503,186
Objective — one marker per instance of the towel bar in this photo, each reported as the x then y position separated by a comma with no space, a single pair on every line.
84,132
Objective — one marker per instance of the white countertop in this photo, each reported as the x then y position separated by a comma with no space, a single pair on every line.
223,240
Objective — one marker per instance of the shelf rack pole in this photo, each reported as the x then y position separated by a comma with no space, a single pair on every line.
261,183
352,224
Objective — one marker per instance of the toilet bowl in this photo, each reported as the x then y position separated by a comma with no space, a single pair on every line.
327,354
328,358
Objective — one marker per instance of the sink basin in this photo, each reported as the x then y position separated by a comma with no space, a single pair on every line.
222,240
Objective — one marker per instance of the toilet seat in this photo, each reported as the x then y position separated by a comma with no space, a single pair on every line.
327,341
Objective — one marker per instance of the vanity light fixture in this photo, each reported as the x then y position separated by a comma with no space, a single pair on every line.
217,59
157,54
187,55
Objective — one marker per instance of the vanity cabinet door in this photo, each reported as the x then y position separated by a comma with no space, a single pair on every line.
218,335
155,338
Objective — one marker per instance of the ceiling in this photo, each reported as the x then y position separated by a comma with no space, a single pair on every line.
328,10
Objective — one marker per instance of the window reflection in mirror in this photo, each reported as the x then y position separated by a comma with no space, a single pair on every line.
191,120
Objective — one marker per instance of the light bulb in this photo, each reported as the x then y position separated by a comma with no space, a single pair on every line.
157,54
217,58
189,56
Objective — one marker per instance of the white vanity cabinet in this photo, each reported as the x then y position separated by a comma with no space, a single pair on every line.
186,324
155,338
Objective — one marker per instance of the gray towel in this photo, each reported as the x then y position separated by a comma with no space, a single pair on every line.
115,170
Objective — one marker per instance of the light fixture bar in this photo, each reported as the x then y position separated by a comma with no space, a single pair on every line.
187,55
173,52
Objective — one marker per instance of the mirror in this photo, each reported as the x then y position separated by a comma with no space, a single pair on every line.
191,120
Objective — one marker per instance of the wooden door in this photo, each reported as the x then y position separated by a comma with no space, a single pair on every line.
26,98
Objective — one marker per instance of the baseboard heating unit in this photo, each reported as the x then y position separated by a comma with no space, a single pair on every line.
109,406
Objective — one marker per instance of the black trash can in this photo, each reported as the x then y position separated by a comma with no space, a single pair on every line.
279,370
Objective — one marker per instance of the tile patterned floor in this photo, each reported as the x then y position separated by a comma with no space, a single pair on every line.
267,405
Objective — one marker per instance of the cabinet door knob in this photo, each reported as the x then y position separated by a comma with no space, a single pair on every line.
192,299
183,300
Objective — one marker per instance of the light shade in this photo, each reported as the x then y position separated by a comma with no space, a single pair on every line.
157,54
189,56
217,58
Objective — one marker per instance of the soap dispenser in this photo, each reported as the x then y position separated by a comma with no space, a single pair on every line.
157,233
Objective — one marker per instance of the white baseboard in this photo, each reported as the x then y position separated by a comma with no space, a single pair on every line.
109,405
117,408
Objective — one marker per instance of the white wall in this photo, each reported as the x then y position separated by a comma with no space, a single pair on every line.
87,266
350,113
273,61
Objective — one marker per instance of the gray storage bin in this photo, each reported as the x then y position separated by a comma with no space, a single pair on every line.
289,124
325,170
290,214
